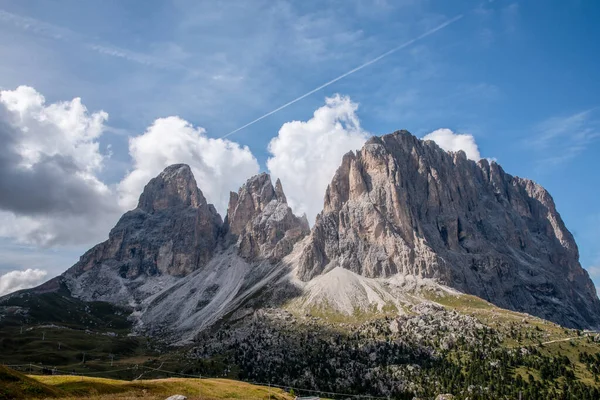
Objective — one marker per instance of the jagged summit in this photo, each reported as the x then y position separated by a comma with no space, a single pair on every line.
250,200
399,215
405,206
279,191
375,295
260,218
173,187
172,232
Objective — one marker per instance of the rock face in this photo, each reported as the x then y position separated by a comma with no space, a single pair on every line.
177,265
173,231
176,397
405,206
261,222
400,216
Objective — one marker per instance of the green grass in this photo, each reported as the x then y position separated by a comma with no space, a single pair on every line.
60,308
15,386
78,387
330,315
37,347
68,348
572,349
55,329
459,302
532,331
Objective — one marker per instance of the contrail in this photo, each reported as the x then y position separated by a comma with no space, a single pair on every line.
59,33
387,53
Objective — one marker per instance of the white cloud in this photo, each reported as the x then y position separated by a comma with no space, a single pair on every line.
305,155
50,193
49,161
17,280
64,128
451,141
219,166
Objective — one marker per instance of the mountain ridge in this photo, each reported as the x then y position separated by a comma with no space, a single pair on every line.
400,215
402,205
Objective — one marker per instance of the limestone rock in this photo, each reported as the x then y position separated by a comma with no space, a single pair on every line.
261,222
176,397
405,206
175,187
172,231
399,215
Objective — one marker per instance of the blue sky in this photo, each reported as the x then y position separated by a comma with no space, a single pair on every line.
521,77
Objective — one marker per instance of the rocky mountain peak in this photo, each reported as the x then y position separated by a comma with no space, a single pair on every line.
173,187
405,206
279,191
397,211
173,231
261,221
250,201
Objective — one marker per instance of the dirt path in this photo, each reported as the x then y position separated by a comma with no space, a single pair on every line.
562,340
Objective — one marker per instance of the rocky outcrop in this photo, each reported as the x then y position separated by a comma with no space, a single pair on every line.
177,264
261,222
400,217
172,231
404,206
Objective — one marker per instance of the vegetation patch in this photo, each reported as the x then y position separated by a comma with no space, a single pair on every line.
14,385
78,387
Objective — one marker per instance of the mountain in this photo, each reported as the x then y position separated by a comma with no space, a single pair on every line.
259,218
404,206
419,255
400,209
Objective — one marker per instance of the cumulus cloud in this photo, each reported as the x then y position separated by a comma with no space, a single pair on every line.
306,154
17,280
50,161
451,141
49,158
219,165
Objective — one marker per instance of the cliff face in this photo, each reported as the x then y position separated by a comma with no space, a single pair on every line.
172,231
405,206
177,263
261,222
399,214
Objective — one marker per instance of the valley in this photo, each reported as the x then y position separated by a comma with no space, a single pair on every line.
452,344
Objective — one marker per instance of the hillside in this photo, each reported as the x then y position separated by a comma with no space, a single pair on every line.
455,344
14,385
458,344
